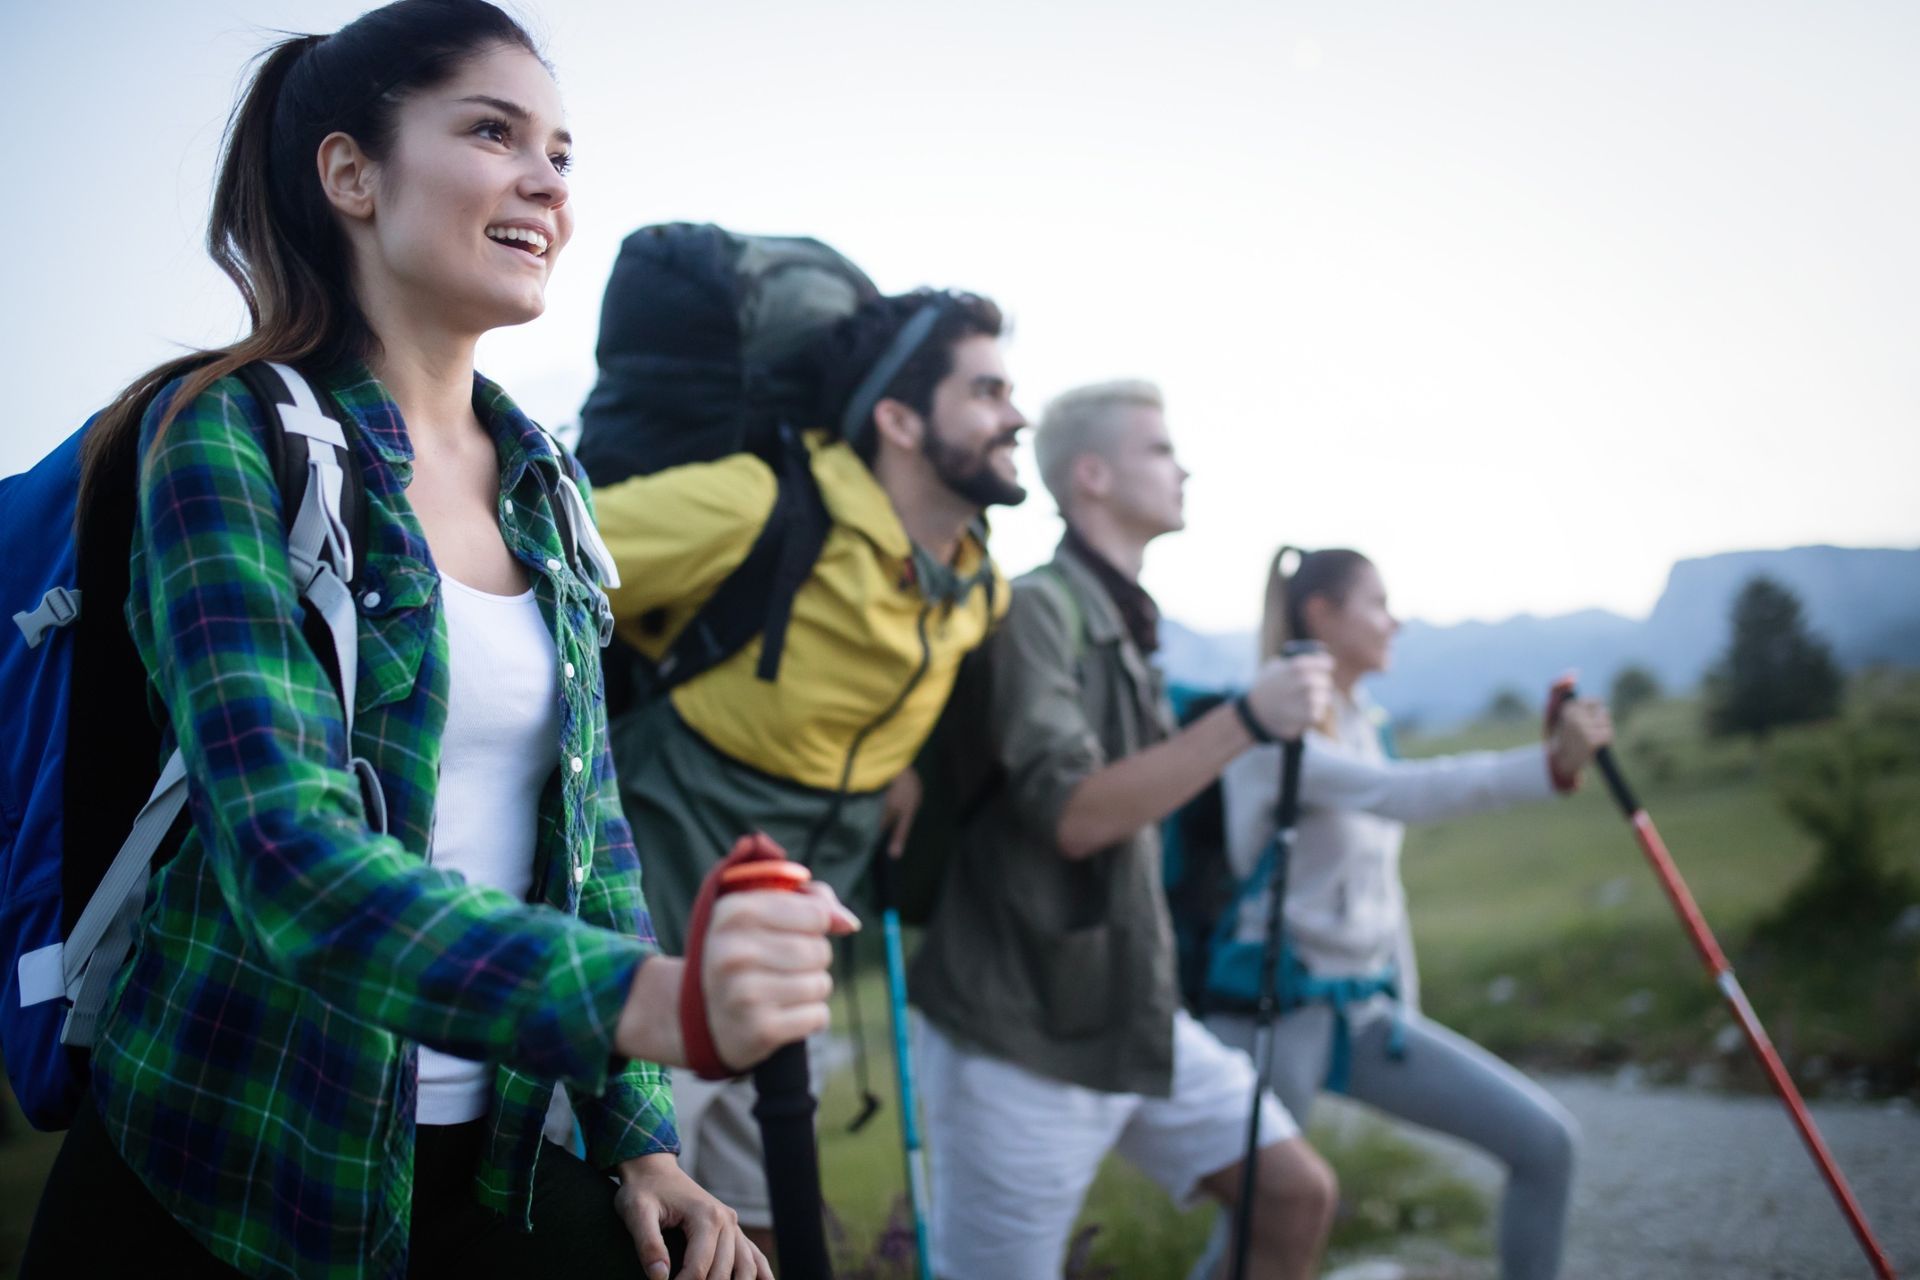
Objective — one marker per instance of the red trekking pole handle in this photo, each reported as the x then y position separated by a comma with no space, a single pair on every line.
1558,697
1723,977
783,1102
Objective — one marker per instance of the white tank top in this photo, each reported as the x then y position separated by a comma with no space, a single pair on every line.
502,743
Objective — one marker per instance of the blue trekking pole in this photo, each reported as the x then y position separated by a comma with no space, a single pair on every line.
1267,1008
903,1063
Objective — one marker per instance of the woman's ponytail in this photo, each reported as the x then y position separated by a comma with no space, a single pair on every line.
1275,629
1296,577
243,241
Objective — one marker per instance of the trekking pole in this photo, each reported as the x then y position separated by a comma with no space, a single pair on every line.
916,1159
857,1025
783,1105
1723,977
1266,1009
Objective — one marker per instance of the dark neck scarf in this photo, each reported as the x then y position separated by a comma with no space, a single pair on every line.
1137,610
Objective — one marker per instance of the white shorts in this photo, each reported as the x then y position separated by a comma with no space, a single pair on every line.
1012,1153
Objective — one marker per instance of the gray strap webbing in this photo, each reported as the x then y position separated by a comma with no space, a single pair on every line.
321,552
101,938
573,509
319,531
329,596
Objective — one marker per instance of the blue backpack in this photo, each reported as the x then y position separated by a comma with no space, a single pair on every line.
74,690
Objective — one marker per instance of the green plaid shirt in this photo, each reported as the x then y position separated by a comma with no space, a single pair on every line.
258,1067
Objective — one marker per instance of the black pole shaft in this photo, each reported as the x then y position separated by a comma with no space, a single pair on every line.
784,1107
1617,782
1267,1008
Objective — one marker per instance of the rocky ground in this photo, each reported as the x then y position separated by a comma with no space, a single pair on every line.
1692,1184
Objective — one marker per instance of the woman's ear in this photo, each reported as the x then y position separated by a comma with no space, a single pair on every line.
346,175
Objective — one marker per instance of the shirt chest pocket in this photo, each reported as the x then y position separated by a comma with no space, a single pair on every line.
396,625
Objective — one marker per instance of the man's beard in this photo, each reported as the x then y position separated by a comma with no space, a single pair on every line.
971,476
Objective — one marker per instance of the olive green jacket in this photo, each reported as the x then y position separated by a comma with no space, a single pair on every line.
1065,967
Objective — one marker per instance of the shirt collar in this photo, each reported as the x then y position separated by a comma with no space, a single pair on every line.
1138,612
518,439
854,497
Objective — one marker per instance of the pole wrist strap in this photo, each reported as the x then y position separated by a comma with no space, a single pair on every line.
1244,709
702,1055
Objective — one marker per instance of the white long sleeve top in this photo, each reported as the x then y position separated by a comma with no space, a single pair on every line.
1346,910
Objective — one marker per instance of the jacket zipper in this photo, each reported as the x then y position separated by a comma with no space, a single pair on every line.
826,819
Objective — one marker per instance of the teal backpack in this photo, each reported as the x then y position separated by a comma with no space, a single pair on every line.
1220,972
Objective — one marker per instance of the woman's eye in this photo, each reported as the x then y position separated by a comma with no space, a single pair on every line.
493,130
562,162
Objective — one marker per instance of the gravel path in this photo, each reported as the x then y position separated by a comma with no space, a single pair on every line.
1705,1186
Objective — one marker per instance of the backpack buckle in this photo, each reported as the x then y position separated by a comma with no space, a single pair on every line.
56,609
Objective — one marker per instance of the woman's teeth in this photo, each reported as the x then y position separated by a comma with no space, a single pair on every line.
535,243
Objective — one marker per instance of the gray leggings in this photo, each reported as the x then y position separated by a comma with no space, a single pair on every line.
1446,1083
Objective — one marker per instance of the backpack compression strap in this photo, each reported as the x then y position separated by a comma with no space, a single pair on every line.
320,550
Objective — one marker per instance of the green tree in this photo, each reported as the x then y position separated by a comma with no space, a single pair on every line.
1633,688
1831,789
1775,671
1507,705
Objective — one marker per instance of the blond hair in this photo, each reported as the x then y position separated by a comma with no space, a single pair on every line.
1083,420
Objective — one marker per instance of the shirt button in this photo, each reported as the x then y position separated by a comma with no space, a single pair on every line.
371,600
569,671
580,873
578,764
553,566
508,506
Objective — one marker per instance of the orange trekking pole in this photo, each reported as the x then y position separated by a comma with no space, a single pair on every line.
1723,977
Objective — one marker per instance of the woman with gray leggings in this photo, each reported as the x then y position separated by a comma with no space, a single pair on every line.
1358,1028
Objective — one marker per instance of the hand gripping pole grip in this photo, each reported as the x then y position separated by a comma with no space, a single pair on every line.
783,1101
755,863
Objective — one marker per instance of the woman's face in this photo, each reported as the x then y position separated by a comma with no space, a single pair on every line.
469,209
1358,632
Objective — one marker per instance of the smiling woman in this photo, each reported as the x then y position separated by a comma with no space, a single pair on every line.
345,1025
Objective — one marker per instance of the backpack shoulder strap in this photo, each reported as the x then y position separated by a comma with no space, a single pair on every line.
322,492
323,496
757,597
1062,592
585,550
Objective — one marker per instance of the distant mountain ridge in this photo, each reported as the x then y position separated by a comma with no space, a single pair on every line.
1865,603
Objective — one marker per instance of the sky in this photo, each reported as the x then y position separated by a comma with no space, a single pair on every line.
1525,301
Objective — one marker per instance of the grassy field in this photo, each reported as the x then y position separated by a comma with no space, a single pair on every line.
1543,933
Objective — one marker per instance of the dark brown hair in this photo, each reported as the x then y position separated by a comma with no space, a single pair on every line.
271,229
846,352
1329,573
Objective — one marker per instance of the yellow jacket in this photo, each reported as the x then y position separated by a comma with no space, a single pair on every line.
871,650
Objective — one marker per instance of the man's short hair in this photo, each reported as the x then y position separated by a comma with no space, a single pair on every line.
849,351
1083,421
